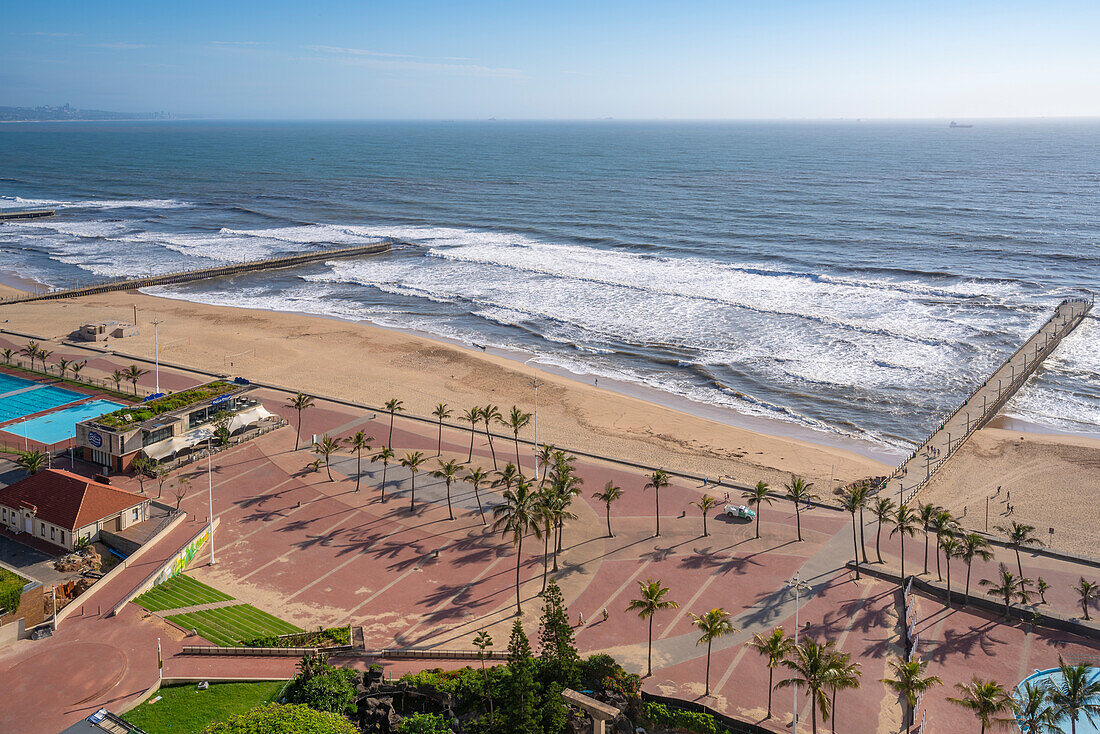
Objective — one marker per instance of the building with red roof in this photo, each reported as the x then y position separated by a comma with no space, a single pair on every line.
60,508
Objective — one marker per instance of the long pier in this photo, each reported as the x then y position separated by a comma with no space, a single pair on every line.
984,402
26,214
187,276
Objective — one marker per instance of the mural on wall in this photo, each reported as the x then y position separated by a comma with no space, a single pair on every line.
184,557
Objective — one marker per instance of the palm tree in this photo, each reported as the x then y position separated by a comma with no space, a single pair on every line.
482,641
925,513
972,546
490,414
325,448
1008,586
517,421
1075,694
943,525
1041,587
545,517
904,521
564,486
544,459
813,667
1017,535
63,367
909,682
299,402
651,599
31,461
775,647
1089,592
76,367
118,377
358,443
657,481
385,455
507,476
516,516
609,494
845,675
705,504
850,501
951,548
30,351
712,625
476,477
442,413
393,406
448,472
882,509
412,461
985,699
798,491
43,355
757,497
133,373
7,354
1031,706
471,416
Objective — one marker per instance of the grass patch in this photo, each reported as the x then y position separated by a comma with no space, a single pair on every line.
11,590
231,626
185,710
178,592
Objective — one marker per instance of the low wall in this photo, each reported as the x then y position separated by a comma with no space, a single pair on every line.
733,725
174,565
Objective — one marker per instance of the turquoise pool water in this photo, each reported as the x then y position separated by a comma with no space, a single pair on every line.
1084,726
32,401
59,425
9,383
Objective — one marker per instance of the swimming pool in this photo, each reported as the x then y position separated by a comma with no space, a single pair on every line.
59,425
34,400
9,383
1054,675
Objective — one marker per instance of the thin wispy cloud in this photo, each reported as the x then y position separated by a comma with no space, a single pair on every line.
123,46
405,62
52,34
357,52
238,44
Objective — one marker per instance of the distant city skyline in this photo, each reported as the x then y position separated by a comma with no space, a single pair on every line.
433,60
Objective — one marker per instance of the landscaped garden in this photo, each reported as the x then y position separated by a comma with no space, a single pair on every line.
179,592
184,709
143,412
233,625
11,589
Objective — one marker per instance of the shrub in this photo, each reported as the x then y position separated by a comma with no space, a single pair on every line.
290,719
602,671
11,590
320,638
694,721
323,687
423,724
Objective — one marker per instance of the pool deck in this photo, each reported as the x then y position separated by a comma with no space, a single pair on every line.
11,430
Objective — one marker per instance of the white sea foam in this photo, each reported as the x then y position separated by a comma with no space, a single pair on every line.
14,202
93,228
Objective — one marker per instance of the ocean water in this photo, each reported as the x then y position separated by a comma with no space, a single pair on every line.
855,278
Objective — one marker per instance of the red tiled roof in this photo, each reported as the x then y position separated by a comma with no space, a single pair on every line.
66,499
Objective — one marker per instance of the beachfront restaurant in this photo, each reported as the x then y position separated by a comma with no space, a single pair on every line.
169,426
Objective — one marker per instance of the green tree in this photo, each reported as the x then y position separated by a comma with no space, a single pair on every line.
1089,593
299,402
448,472
477,477
7,354
43,355
944,525
609,494
133,373
658,480
276,719
517,420
845,675
76,367
909,682
905,522
323,687
775,646
951,548
442,413
1008,586
516,517
1041,587
472,416
483,641
412,461
651,599
925,513
850,501
1077,693
799,492
30,351
757,497
117,377
706,503
423,724
813,666
712,625
882,509
393,406
517,711
557,648
1018,535
359,443
544,459
140,465
985,699
31,462
490,414
1032,708
384,455
221,426
325,448
971,546
63,367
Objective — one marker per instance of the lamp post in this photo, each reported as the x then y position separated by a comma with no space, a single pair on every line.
210,496
156,349
799,586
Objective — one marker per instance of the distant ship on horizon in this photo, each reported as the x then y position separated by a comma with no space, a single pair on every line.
955,124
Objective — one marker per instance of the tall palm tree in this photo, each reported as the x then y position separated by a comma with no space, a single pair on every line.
882,509
544,459
951,548
757,497
971,546
775,646
133,373
813,665
845,675
385,455
517,420
118,377
325,448
43,355
490,414
904,521
706,503
712,625
393,406
516,516
985,699
30,351
1017,535
482,641
442,413
925,513
471,416
651,599
1032,708
63,367
7,354
943,526
412,461
1089,592
564,486
545,517
799,491
358,443
448,472
850,501
909,682
477,477
507,476
299,402
658,480
1075,694
76,367
1007,586
609,494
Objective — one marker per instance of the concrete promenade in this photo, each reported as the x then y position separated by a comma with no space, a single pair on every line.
985,402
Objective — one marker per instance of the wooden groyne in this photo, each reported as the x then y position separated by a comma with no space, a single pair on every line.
984,402
26,214
187,276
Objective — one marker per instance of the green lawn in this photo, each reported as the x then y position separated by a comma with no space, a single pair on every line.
185,710
229,626
11,590
178,592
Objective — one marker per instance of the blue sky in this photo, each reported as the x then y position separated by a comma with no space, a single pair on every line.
447,60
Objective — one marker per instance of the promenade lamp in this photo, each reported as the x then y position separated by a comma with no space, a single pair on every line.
535,383
156,350
798,586
210,494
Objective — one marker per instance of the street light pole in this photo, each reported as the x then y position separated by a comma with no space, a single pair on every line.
210,498
156,349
